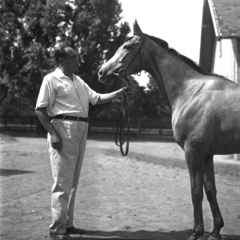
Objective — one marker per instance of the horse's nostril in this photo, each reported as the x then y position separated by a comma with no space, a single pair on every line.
100,73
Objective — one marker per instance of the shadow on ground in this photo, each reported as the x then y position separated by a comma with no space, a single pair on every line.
10,172
10,135
174,235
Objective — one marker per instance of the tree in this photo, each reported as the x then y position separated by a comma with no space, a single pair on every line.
29,31
156,106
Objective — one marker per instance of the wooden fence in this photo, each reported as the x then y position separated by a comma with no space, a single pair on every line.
32,124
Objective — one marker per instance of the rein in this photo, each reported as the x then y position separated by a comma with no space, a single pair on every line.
122,135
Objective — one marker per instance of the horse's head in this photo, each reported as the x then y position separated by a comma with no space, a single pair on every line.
127,59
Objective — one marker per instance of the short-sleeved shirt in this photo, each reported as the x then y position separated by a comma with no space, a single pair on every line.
62,96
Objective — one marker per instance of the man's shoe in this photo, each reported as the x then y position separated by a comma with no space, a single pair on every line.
62,236
73,230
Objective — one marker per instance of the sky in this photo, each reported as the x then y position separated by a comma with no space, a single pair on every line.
176,21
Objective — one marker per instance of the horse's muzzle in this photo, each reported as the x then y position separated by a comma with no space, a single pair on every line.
101,77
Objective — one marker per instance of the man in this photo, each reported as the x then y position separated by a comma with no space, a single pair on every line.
65,98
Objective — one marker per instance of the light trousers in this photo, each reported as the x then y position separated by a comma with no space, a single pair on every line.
66,167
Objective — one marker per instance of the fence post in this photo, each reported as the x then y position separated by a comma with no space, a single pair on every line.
139,127
31,122
89,127
160,131
5,122
113,122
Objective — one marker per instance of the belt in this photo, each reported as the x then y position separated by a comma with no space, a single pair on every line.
64,117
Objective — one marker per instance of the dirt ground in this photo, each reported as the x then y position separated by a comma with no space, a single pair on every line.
145,195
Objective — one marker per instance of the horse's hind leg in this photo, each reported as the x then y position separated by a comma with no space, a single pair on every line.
195,162
211,193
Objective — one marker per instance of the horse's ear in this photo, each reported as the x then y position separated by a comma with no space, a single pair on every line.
137,30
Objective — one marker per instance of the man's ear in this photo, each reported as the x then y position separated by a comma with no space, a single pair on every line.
60,60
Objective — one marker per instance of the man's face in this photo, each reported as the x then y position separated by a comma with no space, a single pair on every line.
70,62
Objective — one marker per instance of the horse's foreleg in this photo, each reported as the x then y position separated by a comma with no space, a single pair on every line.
195,162
211,193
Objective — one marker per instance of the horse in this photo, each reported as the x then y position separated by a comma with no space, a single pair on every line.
205,112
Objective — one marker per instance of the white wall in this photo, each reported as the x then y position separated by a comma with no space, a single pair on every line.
225,62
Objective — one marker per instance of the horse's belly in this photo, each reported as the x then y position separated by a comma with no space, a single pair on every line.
227,143
213,127
227,133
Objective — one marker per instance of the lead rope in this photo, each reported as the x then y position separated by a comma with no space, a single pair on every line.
122,130
122,135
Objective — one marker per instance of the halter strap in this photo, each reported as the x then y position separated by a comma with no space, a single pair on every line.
141,42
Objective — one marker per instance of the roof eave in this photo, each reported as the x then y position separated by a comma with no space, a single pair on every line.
228,36
214,20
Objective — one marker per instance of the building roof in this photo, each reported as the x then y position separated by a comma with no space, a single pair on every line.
226,14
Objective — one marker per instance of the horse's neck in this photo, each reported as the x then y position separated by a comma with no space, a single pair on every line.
171,74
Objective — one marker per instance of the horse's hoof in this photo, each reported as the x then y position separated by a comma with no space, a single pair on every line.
194,236
214,236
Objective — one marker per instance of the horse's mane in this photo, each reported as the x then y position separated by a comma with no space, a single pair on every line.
187,60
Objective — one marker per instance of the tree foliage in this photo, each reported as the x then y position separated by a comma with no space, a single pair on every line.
30,29
156,105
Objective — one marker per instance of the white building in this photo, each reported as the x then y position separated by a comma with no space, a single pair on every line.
220,40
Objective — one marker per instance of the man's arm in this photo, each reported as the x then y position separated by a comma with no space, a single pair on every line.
45,121
107,97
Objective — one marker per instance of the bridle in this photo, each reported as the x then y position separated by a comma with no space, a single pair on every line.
141,42
122,136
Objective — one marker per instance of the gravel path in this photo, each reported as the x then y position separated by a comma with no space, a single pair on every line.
145,195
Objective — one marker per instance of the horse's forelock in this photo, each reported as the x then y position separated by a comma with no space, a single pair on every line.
128,38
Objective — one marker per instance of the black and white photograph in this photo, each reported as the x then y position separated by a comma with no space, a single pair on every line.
120,119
